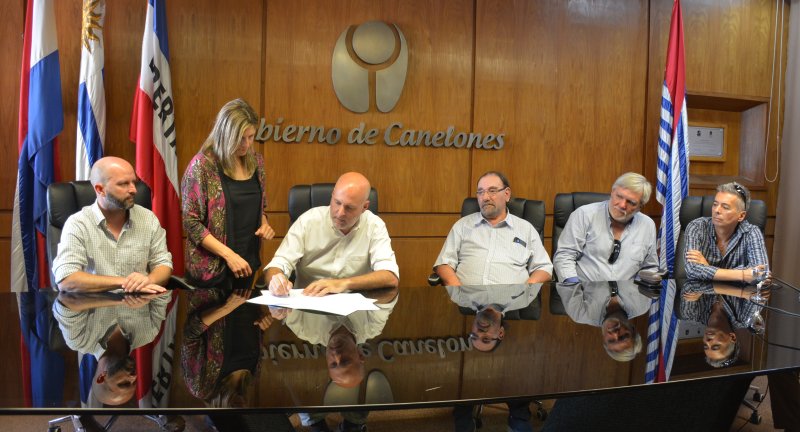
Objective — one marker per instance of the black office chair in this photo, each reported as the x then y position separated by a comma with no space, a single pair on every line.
63,200
694,207
531,312
565,204
305,197
532,211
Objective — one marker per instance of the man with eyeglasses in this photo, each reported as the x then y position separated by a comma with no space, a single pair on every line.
609,240
493,246
725,246
489,248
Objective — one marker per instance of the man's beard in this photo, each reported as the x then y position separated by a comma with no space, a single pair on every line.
118,204
124,363
625,218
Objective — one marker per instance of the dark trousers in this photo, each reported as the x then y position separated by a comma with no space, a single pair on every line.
785,400
519,417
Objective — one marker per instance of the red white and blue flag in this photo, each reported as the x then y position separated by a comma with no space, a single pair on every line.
91,92
672,186
153,131
41,119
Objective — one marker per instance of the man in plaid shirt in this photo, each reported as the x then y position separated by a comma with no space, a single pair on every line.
725,247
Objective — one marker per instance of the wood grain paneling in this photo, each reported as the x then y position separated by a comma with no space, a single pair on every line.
736,70
735,63
566,82
11,31
732,122
216,52
299,45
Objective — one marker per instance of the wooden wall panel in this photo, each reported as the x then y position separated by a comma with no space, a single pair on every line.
729,53
299,44
728,44
215,50
566,82
732,122
11,32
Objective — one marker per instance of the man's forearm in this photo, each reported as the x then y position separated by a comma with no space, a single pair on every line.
376,279
539,276
734,275
448,275
85,282
160,275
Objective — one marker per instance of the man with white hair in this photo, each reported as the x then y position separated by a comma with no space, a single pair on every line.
609,240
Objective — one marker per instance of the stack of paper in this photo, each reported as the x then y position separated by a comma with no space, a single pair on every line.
340,304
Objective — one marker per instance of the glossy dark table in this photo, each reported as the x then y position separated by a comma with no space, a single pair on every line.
425,352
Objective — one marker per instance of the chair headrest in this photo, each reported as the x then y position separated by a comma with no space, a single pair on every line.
532,211
64,199
566,203
305,197
694,207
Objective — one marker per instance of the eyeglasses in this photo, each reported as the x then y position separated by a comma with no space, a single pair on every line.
485,339
491,192
741,192
615,252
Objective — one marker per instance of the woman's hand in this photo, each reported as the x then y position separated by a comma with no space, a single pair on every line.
238,265
236,299
265,231
266,319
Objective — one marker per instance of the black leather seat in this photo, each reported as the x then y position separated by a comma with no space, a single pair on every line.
65,199
565,204
694,207
532,312
305,197
532,211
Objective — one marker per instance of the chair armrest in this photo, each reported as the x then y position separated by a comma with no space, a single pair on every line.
178,282
434,279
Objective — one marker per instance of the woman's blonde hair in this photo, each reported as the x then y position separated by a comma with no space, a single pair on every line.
226,136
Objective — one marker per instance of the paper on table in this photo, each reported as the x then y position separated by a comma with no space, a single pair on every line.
340,304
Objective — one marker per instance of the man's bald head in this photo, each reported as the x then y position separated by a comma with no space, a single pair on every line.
355,184
114,182
349,200
104,167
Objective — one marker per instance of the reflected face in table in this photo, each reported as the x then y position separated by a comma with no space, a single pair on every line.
717,344
115,381
487,329
617,336
345,360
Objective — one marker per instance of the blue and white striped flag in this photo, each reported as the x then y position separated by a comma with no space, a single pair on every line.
672,186
91,92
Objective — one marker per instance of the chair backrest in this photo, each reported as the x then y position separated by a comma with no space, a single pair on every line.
694,207
305,197
565,204
530,210
64,199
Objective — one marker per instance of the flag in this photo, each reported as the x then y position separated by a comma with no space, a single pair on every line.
91,93
662,341
153,131
41,119
672,185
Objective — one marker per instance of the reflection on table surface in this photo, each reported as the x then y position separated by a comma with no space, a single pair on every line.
430,345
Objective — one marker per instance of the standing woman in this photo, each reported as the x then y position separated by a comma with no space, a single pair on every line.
224,216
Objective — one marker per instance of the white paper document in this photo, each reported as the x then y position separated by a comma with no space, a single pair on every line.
340,304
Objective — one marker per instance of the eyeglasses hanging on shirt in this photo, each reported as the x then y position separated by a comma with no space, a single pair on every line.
615,252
